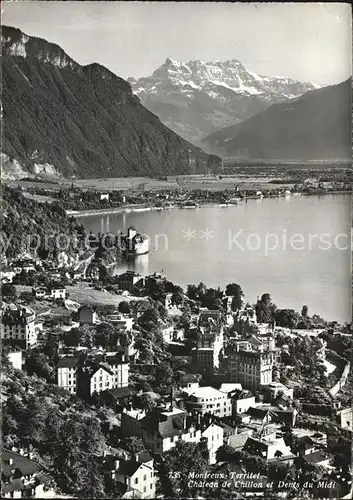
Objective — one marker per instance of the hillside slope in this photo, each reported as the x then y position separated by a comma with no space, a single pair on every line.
195,98
317,125
81,120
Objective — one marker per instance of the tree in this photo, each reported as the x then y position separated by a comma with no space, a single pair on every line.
124,307
192,292
224,453
106,336
177,298
178,462
234,290
72,338
287,318
149,319
8,290
304,312
265,309
38,363
103,274
51,346
132,444
147,401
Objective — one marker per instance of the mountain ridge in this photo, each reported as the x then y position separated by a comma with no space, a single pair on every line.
61,117
197,98
316,125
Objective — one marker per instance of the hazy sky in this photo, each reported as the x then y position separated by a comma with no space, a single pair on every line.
310,42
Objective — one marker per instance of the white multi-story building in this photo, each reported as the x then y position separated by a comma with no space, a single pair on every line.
242,401
18,327
136,475
57,292
120,369
209,400
121,321
209,340
15,358
67,373
167,333
88,376
161,428
213,434
98,375
251,362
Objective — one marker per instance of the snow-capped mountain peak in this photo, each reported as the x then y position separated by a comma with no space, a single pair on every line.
230,74
212,94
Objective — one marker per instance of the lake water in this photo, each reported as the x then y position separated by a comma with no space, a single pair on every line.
297,249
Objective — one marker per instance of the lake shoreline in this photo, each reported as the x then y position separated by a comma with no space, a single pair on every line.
144,208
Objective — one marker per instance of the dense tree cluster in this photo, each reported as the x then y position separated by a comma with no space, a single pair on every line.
29,225
64,432
265,309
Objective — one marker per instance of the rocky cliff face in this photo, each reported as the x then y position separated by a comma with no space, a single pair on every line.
315,126
197,98
60,117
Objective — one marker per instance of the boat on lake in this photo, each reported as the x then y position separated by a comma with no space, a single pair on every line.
189,204
227,204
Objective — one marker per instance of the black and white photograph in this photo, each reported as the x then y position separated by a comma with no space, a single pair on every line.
176,250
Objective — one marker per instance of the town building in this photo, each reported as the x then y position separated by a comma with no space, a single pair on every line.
97,375
209,340
18,327
251,362
16,359
319,457
7,274
118,398
53,292
39,292
229,388
119,365
208,400
121,321
167,332
160,428
94,379
168,301
133,477
213,437
66,369
57,292
189,382
242,401
129,280
22,477
238,441
267,445
345,419
86,375
87,315
274,390
247,314
229,426
305,445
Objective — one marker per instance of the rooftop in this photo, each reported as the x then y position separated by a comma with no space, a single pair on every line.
128,467
230,387
68,362
206,392
317,457
24,464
